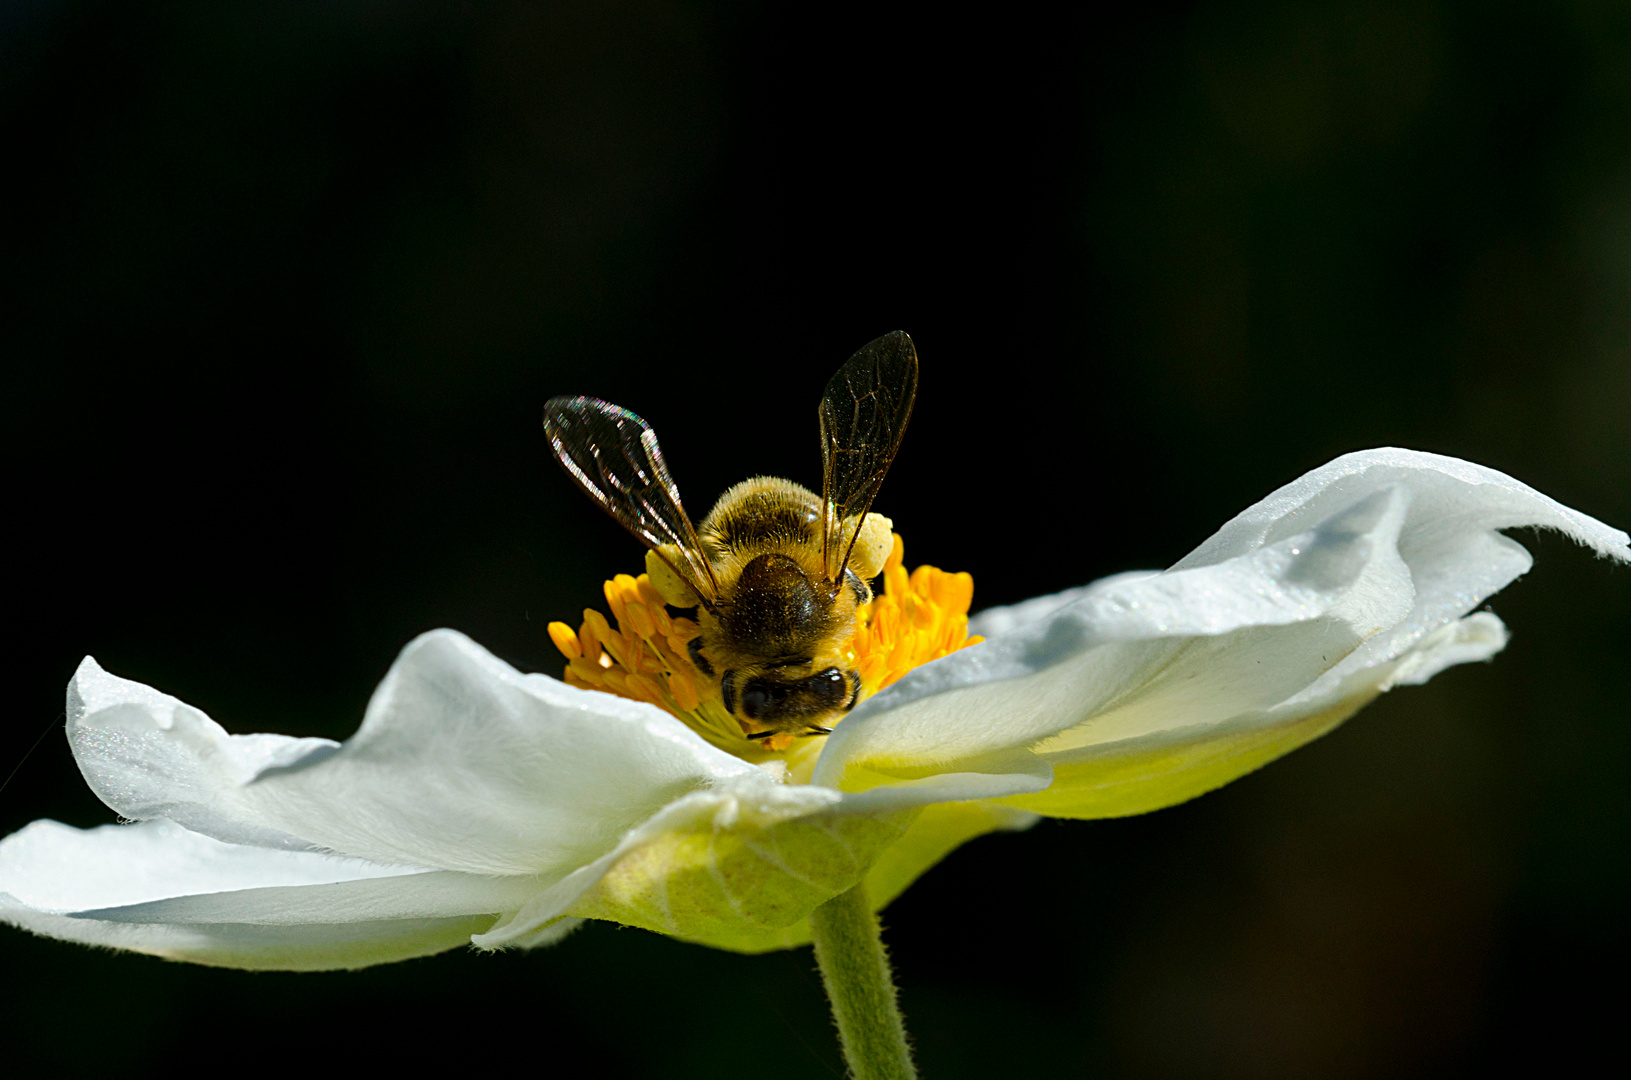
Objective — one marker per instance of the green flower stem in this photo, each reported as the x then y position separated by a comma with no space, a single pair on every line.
860,987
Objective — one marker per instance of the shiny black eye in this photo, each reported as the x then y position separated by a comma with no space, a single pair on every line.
755,699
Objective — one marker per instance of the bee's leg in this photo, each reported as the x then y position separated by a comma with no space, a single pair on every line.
694,647
727,691
762,734
811,730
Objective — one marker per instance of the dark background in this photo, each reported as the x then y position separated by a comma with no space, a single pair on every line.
286,285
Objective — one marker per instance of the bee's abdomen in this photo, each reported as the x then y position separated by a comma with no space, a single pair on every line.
775,610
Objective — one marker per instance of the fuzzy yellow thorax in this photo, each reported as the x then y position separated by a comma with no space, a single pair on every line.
914,618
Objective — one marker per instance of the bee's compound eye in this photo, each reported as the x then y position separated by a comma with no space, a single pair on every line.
756,698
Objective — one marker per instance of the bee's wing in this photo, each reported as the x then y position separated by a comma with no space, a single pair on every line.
613,455
863,416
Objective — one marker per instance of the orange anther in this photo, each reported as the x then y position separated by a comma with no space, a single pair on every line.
955,592
638,615
565,640
648,593
587,670
684,691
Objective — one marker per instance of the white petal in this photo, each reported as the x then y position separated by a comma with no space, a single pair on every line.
1453,499
1201,644
1476,638
749,802
461,763
259,948
55,867
996,775
1449,542
1316,596
1000,620
158,888
148,755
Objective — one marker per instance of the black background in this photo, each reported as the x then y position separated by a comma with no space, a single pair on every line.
286,284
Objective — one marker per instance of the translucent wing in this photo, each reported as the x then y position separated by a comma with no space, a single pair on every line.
613,455
863,416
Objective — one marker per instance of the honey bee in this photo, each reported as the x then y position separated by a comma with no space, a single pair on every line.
775,573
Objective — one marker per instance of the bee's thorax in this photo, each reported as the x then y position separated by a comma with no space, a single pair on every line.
775,609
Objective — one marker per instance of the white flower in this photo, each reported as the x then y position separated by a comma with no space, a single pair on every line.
480,804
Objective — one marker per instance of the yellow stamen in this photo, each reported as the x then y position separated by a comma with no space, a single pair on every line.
565,640
913,619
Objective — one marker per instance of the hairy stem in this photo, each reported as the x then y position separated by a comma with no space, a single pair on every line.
856,973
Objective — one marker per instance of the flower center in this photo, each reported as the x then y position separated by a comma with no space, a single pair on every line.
913,618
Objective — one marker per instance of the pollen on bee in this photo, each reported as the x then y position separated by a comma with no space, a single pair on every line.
914,618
